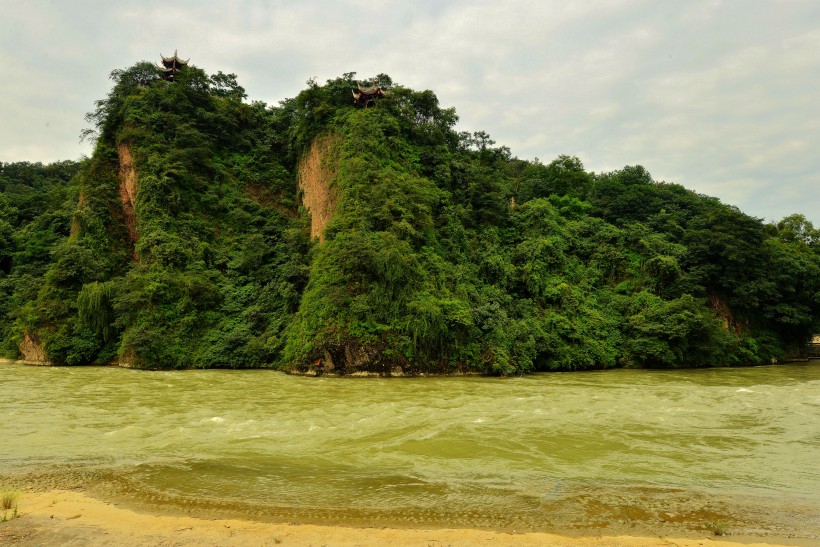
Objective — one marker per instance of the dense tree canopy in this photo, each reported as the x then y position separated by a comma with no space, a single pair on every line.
183,242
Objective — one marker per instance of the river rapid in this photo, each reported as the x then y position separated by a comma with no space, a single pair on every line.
645,451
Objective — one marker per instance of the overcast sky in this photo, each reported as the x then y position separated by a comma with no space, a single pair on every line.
722,97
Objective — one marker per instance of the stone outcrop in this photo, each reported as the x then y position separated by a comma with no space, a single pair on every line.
32,350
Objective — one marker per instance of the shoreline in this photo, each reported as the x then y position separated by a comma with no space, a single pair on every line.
368,374
74,517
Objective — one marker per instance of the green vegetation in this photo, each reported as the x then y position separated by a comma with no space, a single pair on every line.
182,242
36,205
8,500
717,528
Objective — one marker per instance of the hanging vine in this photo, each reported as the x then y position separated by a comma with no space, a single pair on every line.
95,309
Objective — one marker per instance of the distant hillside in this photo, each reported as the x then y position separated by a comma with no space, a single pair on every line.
318,236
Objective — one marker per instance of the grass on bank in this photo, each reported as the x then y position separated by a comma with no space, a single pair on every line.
718,528
8,500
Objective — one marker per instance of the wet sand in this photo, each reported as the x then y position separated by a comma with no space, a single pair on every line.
64,517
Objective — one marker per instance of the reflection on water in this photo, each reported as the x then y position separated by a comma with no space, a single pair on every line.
602,449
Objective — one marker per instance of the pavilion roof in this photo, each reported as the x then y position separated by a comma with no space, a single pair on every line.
174,61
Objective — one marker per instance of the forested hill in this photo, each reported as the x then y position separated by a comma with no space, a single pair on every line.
317,236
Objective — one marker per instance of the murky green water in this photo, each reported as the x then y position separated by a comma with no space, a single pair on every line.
607,449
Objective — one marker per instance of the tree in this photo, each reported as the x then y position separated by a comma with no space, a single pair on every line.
225,85
796,228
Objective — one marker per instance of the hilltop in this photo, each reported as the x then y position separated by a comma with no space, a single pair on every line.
317,236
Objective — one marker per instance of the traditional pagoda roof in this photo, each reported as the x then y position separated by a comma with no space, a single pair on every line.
172,65
174,62
367,96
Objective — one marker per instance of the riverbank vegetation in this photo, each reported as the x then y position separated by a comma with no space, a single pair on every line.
9,502
184,242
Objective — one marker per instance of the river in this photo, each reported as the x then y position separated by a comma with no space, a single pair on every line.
654,451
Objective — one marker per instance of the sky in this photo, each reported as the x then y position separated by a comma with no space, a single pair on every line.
722,97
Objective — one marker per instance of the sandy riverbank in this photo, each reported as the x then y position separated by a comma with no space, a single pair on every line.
62,517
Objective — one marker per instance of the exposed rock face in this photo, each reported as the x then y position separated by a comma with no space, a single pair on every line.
32,350
350,358
128,189
723,312
317,169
